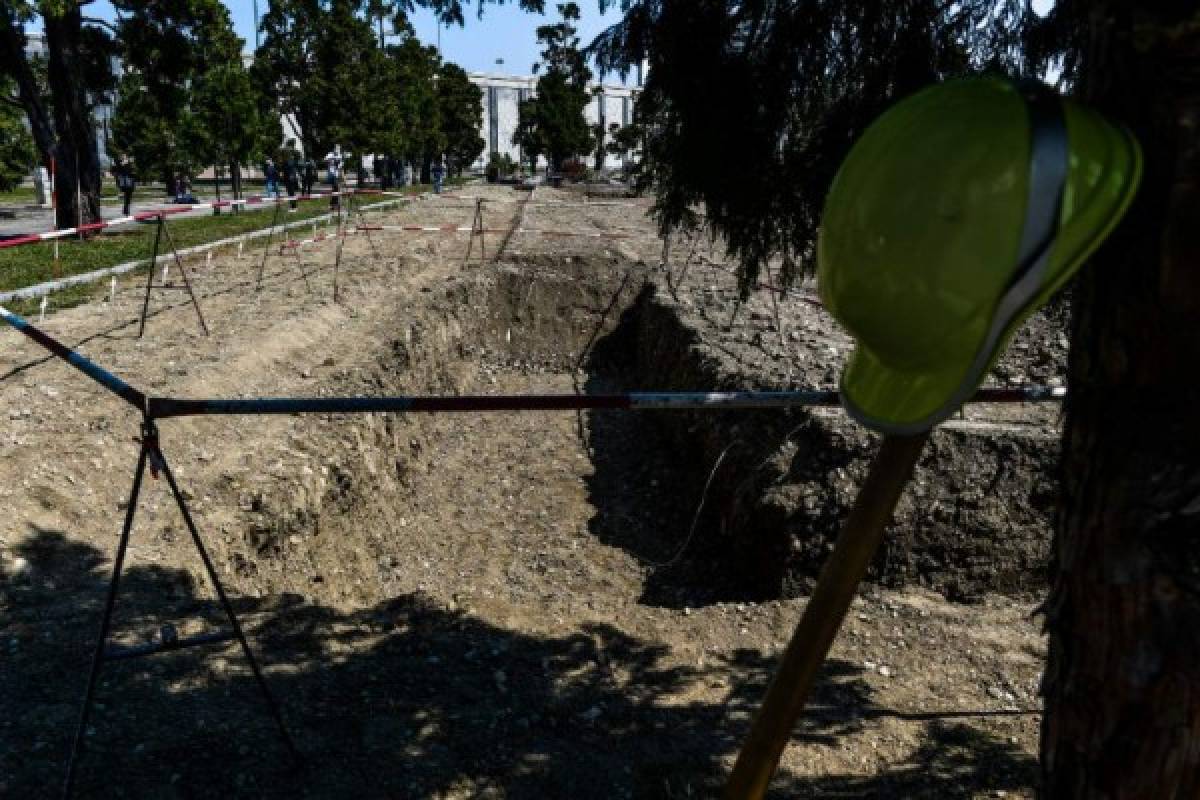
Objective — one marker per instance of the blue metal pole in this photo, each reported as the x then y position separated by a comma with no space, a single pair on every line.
92,370
163,407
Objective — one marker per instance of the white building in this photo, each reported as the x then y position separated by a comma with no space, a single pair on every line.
611,104
502,94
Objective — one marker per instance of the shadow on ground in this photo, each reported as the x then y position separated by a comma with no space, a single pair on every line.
651,501
404,699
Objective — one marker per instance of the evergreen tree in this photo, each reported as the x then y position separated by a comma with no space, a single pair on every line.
226,124
171,49
316,59
552,122
163,44
416,69
17,154
460,109
77,75
323,61
750,106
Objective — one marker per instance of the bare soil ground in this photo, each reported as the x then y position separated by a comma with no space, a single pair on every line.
448,606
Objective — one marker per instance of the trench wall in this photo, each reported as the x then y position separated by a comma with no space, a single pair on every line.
976,518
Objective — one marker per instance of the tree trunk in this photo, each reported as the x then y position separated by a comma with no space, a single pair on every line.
12,58
1122,683
235,180
217,188
78,159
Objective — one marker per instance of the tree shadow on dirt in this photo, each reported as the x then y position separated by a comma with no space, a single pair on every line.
403,699
665,511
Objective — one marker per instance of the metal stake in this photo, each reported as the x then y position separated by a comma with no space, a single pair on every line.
267,248
362,223
186,281
150,277
105,621
337,259
476,229
272,706
151,453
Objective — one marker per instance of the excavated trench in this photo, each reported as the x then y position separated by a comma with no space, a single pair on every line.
976,518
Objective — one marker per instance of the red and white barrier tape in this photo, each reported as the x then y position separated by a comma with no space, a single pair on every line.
507,201
468,229
143,216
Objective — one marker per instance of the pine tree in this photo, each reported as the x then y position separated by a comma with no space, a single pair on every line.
171,52
17,154
552,122
460,107
77,74
750,106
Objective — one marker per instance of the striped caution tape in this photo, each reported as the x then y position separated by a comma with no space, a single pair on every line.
469,229
165,211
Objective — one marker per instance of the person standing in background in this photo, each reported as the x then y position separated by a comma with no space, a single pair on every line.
333,174
309,176
291,178
438,173
271,174
122,172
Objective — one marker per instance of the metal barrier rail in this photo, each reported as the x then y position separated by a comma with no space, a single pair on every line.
165,407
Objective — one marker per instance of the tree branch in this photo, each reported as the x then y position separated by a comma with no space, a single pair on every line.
103,23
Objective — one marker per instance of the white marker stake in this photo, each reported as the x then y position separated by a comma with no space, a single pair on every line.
112,291
208,259
239,250
166,268
42,313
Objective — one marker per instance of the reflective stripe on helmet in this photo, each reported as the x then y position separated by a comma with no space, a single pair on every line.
1049,160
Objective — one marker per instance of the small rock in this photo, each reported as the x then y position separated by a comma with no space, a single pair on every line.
19,567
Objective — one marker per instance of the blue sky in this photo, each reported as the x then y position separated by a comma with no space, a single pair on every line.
505,32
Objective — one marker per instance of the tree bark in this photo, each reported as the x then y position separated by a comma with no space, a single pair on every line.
1122,683
12,57
78,158
235,180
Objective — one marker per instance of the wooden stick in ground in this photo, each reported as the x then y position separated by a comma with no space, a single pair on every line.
822,618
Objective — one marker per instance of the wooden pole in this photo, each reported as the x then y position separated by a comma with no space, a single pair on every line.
822,618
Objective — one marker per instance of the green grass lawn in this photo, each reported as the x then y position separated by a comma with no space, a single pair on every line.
31,264
20,196
26,195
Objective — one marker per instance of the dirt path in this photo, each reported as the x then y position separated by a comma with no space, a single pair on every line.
450,606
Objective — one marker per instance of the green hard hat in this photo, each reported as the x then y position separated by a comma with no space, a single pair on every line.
956,214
